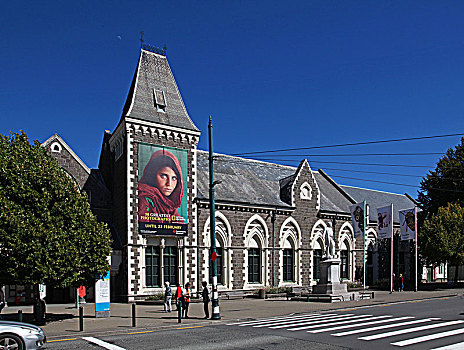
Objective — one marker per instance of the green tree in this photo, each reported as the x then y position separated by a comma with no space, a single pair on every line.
442,236
445,184
48,234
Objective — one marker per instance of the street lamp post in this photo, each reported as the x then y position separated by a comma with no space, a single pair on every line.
215,301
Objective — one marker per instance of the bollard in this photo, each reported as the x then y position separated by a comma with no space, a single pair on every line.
81,319
20,315
133,315
179,311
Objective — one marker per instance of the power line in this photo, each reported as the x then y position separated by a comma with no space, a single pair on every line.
353,155
351,144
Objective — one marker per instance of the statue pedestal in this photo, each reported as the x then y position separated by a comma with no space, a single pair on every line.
329,287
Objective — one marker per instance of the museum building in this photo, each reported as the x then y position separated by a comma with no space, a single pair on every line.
270,218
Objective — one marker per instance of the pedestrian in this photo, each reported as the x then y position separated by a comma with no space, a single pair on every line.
179,297
167,297
2,300
205,295
400,283
394,282
186,299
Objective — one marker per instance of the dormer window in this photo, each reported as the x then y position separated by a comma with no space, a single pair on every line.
305,191
160,100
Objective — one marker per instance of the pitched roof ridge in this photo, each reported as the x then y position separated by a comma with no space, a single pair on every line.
69,149
289,167
369,189
337,186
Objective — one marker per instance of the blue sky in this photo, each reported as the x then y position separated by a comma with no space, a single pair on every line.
273,75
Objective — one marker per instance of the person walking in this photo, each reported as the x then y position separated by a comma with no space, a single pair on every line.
400,283
205,295
167,297
186,297
179,297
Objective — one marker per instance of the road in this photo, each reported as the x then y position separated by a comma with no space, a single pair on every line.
424,324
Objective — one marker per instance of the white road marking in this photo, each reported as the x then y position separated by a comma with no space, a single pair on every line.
393,325
272,319
457,346
409,330
301,320
385,319
103,344
428,337
331,322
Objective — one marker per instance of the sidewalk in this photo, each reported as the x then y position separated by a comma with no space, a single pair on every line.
63,320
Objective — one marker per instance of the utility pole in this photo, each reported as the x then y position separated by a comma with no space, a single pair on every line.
212,227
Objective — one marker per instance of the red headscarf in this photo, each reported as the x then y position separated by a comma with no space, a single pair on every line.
148,190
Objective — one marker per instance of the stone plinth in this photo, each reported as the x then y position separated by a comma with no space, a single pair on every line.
329,283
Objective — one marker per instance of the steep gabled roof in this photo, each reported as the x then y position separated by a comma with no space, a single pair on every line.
58,139
243,180
154,73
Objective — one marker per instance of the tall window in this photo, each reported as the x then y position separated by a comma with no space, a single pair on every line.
152,266
254,266
344,264
288,265
317,256
219,266
170,264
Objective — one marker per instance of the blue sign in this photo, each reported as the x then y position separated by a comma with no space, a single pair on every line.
102,296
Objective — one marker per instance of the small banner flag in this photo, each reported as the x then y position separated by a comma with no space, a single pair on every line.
358,217
408,224
385,222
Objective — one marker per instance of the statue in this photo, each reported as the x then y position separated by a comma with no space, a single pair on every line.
329,241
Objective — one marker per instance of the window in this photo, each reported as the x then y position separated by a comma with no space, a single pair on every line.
288,265
160,100
344,264
219,267
254,266
56,147
170,264
305,191
152,266
317,256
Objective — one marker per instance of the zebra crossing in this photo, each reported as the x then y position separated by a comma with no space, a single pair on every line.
403,330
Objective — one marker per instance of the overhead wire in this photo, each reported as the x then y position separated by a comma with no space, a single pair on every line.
350,144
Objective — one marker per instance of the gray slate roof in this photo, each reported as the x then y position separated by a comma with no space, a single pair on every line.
377,199
254,182
153,72
243,180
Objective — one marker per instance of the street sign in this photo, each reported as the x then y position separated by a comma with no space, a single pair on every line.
81,291
214,256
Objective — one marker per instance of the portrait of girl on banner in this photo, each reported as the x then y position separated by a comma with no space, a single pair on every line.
162,208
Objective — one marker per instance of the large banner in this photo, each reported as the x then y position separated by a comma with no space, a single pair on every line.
162,190
408,224
385,222
358,217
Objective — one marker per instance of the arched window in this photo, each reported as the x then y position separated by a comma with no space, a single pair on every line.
288,262
219,264
317,257
254,262
344,260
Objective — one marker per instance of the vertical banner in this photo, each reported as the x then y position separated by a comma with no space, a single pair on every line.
358,217
408,224
162,190
385,222
102,296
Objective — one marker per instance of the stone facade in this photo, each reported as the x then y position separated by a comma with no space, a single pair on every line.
270,218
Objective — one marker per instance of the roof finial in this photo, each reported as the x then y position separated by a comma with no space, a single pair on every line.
141,38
